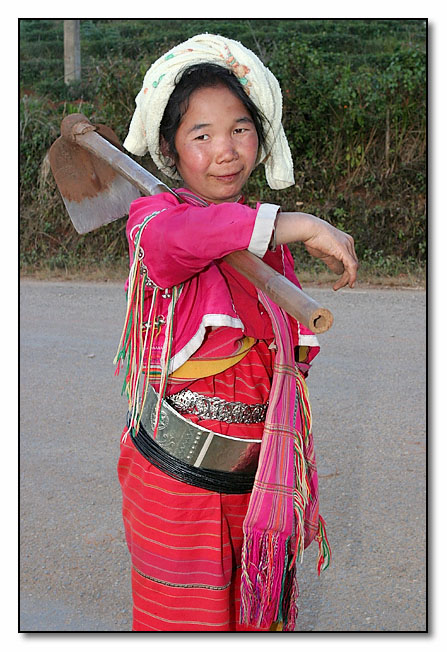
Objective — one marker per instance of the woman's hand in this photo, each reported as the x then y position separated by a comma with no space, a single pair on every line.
336,249
322,240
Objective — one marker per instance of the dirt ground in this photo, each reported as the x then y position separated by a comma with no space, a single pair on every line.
368,394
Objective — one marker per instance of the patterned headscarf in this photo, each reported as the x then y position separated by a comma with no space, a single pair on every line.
258,82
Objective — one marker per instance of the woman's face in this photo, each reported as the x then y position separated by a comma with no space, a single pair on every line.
217,145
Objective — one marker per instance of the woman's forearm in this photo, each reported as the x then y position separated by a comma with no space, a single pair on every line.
295,227
322,240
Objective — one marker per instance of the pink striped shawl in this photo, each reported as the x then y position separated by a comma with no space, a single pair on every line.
284,501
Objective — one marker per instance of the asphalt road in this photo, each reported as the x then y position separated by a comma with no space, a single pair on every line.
368,396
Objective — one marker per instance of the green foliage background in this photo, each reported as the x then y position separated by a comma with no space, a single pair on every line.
354,112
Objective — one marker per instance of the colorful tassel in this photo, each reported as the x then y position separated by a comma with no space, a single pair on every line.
324,549
303,397
134,337
263,599
301,491
166,354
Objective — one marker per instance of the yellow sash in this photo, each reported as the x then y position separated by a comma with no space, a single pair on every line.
202,368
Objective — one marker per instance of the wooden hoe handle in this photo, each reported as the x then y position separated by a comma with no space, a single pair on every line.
282,291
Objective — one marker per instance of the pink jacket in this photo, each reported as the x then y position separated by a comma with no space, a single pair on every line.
183,245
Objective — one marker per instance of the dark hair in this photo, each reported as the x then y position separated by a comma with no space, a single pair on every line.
203,75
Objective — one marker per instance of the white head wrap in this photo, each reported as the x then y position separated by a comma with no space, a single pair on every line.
258,82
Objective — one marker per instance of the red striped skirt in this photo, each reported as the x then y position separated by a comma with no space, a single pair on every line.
185,546
185,542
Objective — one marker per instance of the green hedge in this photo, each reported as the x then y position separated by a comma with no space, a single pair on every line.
354,112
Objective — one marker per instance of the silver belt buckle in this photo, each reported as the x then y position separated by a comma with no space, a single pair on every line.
196,445
211,407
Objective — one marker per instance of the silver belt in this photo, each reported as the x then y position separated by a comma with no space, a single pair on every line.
196,445
211,407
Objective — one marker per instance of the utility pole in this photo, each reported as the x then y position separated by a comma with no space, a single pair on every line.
72,51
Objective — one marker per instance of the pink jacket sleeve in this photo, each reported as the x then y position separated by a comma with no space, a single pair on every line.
181,240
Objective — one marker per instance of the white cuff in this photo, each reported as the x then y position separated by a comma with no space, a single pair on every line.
263,229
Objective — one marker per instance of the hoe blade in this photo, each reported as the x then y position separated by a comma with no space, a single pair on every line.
93,193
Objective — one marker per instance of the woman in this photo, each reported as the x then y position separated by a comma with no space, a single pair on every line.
217,467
